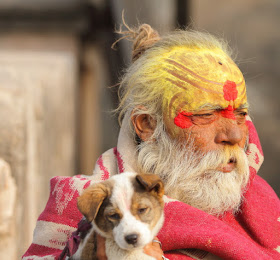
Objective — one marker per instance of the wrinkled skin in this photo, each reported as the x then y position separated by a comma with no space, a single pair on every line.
211,131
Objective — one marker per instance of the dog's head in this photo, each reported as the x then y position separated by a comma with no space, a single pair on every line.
127,207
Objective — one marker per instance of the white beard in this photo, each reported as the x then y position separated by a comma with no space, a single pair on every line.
193,177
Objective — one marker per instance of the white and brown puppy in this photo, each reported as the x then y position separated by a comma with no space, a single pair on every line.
127,210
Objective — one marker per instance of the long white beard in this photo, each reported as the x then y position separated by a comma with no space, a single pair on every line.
193,177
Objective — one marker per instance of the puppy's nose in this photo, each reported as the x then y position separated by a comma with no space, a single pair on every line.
131,239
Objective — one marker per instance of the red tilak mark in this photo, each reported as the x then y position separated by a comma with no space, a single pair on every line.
182,120
228,112
230,91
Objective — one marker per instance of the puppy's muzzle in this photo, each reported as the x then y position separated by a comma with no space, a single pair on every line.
131,239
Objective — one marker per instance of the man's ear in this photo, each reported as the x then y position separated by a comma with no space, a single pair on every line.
91,200
144,125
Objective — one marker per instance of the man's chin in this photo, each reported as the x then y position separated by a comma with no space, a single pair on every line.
214,192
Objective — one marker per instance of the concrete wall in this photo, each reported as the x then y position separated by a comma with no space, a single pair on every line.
38,101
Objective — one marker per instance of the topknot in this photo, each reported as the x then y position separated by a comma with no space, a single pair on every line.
142,37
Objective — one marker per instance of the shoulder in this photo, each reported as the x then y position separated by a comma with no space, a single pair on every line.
259,188
59,218
66,183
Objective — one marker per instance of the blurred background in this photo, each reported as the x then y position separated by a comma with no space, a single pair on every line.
56,69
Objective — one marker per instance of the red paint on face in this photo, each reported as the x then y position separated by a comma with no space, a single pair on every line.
230,94
182,120
230,91
228,112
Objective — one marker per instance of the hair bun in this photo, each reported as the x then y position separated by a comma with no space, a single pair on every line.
143,39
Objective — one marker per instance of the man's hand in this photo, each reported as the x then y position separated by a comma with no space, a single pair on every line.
153,249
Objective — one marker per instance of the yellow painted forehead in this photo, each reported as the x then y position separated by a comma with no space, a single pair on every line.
194,77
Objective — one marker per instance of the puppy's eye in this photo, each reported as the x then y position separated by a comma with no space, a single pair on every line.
142,210
114,216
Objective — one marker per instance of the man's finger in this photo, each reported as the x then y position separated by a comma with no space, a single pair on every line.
155,240
154,249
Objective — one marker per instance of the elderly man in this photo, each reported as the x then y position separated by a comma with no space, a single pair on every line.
184,117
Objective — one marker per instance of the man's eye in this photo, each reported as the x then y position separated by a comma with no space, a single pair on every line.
203,119
204,115
240,116
243,113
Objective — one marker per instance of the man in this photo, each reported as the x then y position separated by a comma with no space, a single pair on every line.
184,117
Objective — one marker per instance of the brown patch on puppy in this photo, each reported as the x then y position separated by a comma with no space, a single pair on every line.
148,206
151,183
92,198
105,219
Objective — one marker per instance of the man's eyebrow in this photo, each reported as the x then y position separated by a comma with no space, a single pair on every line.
243,106
208,106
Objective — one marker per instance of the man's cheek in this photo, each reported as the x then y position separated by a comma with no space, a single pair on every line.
201,140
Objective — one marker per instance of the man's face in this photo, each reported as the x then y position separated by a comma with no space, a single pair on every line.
212,181
210,131
207,100
199,153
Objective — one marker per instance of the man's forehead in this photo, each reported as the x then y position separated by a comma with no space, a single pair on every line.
197,78
208,65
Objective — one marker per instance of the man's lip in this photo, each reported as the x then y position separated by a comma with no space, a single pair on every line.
229,167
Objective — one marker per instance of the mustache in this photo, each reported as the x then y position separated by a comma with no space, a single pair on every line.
181,155
214,160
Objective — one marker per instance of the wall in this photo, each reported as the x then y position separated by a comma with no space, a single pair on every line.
38,93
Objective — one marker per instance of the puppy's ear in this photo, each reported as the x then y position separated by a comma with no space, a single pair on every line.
91,200
151,182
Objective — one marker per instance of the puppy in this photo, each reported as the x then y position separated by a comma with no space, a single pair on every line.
127,210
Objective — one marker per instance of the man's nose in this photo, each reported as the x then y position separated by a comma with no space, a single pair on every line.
230,133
